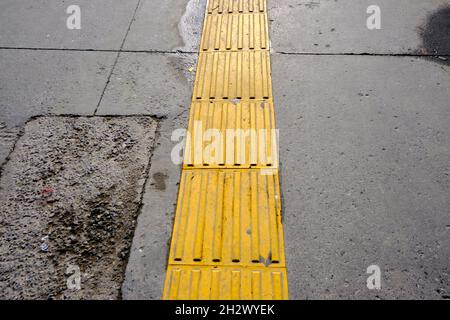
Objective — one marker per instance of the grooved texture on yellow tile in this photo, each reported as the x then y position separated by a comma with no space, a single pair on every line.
225,283
235,32
232,75
228,217
226,134
227,240
235,6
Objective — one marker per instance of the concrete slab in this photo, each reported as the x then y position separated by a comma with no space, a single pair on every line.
158,84
365,174
146,269
42,24
40,82
154,84
330,26
59,82
167,26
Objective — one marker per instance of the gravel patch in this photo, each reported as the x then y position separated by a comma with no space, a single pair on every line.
69,197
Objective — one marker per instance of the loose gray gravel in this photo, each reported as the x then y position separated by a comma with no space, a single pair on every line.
69,196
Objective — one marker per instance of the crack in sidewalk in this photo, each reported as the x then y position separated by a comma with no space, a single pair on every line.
117,57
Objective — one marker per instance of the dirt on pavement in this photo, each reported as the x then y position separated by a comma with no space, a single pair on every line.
69,197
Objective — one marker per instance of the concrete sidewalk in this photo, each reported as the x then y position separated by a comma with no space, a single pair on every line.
363,117
364,147
129,58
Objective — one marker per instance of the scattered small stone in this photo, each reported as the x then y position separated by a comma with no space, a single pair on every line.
50,222
46,192
44,247
235,101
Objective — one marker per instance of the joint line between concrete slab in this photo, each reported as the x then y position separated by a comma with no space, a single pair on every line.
150,51
418,55
117,57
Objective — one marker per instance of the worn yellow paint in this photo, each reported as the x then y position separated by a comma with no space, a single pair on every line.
227,239
225,134
225,283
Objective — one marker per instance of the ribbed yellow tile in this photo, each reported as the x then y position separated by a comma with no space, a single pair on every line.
225,283
235,32
227,240
228,217
235,6
243,75
224,134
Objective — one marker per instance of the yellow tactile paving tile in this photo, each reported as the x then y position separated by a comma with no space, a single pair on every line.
225,283
235,32
228,217
227,240
233,75
235,6
223,134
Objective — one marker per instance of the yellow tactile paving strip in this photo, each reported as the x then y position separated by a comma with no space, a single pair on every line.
225,283
227,240
235,32
228,217
236,6
235,135
243,75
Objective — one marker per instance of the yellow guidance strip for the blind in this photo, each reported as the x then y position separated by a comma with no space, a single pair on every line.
235,32
228,217
225,283
224,134
236,6
233,75
227,240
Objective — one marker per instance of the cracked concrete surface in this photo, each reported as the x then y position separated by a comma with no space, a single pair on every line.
155,81
167,26
363,119
339,27
153,84
47,82
42,24
365,175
